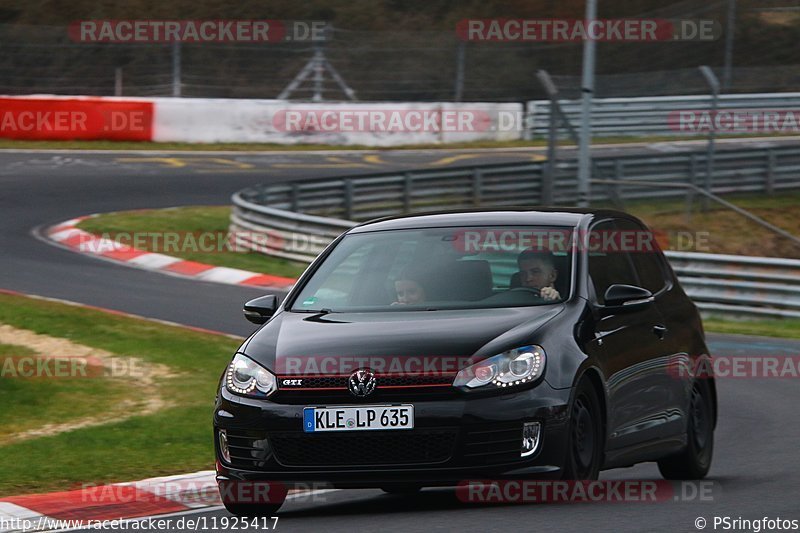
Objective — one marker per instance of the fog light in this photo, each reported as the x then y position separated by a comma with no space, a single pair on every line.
223,446
530,438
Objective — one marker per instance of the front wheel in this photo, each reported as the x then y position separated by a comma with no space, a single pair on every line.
251,510
252,498
404,490
695,460
585,438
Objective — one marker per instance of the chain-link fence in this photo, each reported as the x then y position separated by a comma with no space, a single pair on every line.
401,65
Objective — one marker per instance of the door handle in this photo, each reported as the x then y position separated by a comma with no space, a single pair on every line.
660,331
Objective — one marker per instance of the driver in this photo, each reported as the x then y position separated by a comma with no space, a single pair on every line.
537,270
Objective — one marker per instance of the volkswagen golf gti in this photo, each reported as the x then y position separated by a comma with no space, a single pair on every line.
432,349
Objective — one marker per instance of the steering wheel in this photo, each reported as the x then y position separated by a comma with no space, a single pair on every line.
535,292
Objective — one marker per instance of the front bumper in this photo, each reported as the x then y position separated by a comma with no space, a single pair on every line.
455,439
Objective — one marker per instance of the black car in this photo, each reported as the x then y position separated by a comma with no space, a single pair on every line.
496,344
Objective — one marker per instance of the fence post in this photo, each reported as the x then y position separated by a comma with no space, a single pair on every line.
459,85
477,187
118,81
176,68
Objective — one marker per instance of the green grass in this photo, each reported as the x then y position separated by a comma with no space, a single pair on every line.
188,220
174,440
786,329
723,231
30,402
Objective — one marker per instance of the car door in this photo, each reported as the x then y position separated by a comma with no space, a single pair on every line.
630,344
652,272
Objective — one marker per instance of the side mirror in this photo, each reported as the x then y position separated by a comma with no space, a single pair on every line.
261,309
627,297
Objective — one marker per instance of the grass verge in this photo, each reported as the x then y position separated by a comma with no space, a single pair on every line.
184,221
175,439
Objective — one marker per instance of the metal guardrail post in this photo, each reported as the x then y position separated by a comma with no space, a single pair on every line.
408,184
295,197
348,199
693,183
770,182
477,187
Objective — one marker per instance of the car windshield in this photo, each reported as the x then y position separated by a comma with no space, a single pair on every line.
442,268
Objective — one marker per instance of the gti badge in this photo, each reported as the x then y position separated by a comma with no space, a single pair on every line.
292,382
361,383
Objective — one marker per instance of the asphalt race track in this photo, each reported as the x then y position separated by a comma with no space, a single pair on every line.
756,472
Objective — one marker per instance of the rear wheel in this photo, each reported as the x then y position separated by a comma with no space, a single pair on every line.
585,438
695,460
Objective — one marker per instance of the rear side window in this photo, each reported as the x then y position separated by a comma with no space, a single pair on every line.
608,266
646,256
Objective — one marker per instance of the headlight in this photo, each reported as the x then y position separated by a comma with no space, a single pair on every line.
246,377
514,367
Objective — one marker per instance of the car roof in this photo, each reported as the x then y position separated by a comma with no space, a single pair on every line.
506,216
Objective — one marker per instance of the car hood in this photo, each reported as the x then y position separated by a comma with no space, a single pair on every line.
299,343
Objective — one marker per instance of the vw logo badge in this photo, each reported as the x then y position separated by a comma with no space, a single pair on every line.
361,383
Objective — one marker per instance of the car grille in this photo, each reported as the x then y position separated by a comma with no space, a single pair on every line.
390,448
492,444
383,380
248,449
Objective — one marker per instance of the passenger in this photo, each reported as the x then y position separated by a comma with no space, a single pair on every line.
410,289
537,270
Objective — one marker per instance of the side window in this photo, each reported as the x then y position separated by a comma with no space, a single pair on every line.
646,255
606,266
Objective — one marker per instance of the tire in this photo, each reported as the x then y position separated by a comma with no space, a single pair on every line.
695,460
244,509
403,490
585,438
243,498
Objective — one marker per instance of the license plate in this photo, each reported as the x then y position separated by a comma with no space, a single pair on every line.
358,418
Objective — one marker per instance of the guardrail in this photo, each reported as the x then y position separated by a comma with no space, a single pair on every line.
300,219
649,115
393,193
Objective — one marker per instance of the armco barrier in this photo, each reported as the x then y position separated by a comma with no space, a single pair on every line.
281,215
649,116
